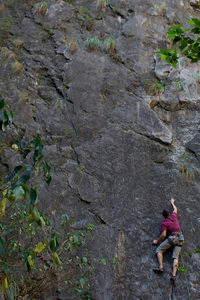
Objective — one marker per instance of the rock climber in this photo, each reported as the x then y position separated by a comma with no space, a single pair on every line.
172,236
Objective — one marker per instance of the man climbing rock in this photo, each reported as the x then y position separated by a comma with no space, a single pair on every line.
172,236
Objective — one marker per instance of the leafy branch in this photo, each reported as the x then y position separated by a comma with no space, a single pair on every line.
6,116
30,248
188,46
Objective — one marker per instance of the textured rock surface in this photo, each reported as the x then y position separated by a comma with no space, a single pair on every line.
116,141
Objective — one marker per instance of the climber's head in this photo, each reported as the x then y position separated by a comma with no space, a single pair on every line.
165,213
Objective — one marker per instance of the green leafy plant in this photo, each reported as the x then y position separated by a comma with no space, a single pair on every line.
7,21
92,44
188,46
51,32
197,251
184,268
59,103
185,166
6,116
20,201
36,259
28,239
110,45
84,10
158,87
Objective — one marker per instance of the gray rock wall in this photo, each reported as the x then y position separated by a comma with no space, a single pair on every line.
117,141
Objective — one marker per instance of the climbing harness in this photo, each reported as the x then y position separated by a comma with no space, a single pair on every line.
174,241
175,233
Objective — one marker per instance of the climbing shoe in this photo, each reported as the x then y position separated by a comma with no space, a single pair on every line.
172,279
158,270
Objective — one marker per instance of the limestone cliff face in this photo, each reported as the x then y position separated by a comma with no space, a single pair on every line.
116,138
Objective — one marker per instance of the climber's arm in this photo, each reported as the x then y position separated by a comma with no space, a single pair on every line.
161,237
174,206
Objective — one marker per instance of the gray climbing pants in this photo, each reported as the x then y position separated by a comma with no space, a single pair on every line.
171,241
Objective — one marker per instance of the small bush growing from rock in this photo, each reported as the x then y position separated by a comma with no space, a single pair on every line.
17,67
7,53
155,88
92,44
185,166
23,97
10,3
84,10
72,45
178,85
6,116
72,2
2,7
86,15
6,23
110,44
2,146
102,4
59,103
89,23
158,87
41,8
160,8
18,43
